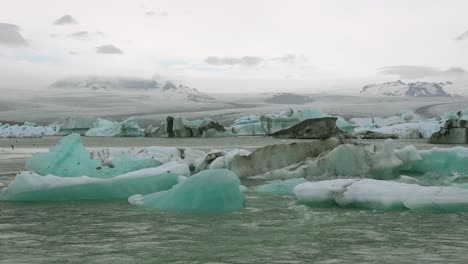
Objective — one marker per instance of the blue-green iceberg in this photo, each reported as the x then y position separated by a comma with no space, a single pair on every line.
280,187
210,191
29,186
69,158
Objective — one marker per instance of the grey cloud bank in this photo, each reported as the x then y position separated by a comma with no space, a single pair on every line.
153,13
10,36
85,35
244,61
462,36
108,49
415,71
248,60
65,20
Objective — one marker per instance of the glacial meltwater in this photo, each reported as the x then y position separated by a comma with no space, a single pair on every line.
268,229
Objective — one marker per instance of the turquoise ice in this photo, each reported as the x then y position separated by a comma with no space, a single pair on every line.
211,191
106,128
29,186
69,158
280,187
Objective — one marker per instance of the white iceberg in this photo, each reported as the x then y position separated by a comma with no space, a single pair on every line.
385,195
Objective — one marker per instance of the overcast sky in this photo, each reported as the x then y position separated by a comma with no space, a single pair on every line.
219,45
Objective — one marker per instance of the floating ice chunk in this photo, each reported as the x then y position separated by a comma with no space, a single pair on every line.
279,156
69,158
243,188
279,186
385,162
224,162
161,154
248,129
422,129
343,161
28,130
74,125
28,186
213,133
408,154
444,161
211,191
400,118
377,194
106,128
246,120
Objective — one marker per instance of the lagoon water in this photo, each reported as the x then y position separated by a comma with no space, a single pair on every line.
270,229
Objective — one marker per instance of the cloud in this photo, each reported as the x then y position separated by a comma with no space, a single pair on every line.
414,71
55,35
71,52
108,49
252,60
243,61
462,36
289,58
10,36
153,13
65,20
85,35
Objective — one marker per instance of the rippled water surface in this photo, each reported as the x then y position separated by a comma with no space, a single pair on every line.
271,229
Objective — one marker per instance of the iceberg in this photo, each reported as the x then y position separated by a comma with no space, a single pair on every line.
346,160
69,158
248,126
106,128
27,130
423,129
444,161
383,195
273,157
29,186
74,125
211,191
280,187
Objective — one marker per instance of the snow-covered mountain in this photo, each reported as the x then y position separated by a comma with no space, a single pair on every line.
165,88
415,89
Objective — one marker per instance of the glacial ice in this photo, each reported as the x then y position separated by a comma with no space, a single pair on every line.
273,157
69,158
434,166
249,129
346,160
106,128
280,187
213,133
224,161
271,123
444,161
422,129
211,191
29,186
385,195
27,130
74,125
405,124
